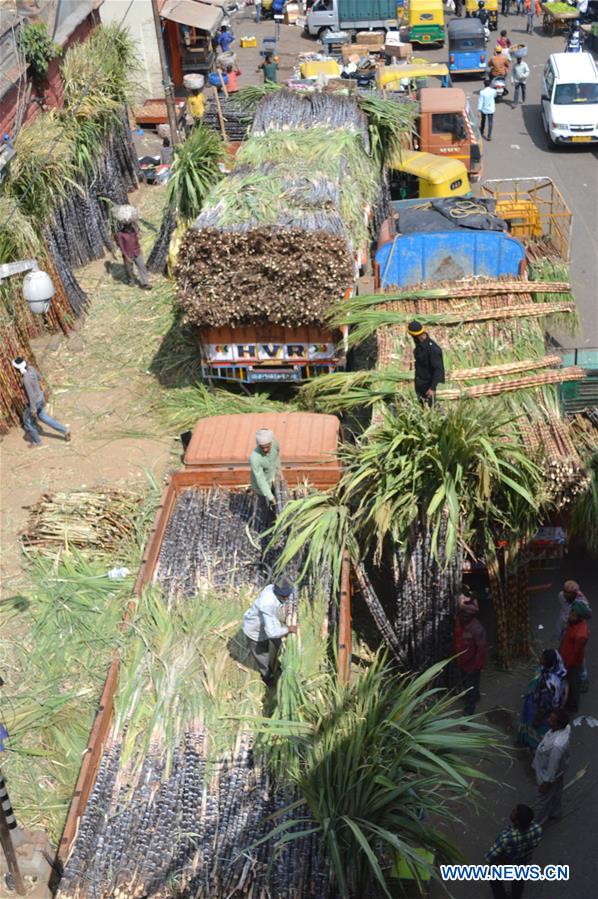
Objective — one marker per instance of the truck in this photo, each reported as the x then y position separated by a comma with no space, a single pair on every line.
269,353
350,16
216,456
444,255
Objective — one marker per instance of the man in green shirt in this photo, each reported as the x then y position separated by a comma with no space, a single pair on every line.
269,69
264,462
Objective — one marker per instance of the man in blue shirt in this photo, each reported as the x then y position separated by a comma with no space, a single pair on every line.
486,107
263,628
225,39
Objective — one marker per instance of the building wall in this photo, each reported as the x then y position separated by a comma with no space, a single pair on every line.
140,23
50,92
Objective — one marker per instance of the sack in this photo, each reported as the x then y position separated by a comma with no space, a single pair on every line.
125,214
193,81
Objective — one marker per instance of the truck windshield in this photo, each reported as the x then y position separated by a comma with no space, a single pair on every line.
566,94
467,44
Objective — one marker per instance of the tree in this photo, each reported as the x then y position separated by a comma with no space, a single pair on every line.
38,48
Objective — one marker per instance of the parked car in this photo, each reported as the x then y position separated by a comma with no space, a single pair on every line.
570,99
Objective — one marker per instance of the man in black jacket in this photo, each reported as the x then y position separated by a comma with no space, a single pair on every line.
429,365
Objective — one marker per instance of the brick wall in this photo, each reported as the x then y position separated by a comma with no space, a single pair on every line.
51,90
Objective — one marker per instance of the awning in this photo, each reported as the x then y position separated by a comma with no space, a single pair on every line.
190,12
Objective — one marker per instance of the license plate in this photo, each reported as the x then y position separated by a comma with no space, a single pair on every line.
580,139
290,375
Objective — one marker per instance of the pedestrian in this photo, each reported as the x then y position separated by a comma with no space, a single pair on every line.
532,8
546,692
470,648
504,43
499,64
264,463
519,77
196,106
458,8
519,7
36,403
429,363
263,628
127,238
571,593
573,650
258,11
514,846
232,74
269,69
486,108
505,7
550,763
166,152
225,39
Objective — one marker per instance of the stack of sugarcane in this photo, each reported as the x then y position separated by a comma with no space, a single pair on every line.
566,475
18,326
276,240
214,538
99,520
237,118
183,799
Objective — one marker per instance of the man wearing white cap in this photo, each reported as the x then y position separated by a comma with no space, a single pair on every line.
35,410
264,462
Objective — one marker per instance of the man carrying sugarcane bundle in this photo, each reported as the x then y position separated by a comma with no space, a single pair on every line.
263,628
429,364
264,462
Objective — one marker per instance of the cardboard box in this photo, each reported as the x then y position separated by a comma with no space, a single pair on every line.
399,51
370,38
291,13
250,41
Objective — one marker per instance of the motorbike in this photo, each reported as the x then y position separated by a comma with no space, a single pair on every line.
499,84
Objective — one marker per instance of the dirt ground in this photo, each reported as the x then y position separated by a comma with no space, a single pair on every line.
102,388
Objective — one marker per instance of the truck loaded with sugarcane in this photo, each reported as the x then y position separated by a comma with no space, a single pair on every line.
192,771
286,234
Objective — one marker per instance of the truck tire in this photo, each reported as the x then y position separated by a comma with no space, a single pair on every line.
323,32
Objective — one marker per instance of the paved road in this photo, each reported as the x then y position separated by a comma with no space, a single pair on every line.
519,148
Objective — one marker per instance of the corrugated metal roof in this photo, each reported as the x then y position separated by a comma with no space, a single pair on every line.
192,13
230,439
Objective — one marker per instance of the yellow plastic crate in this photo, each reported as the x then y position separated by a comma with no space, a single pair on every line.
249,41
320,67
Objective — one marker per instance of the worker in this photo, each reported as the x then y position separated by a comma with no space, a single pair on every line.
36,405
269,68
263,628
429,364
264,462
499,64
166,152
225,39
232,83
127,238
196,105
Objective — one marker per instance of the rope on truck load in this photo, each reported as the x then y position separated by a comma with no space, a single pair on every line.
465,208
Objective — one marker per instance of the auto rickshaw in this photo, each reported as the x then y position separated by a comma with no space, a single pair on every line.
426,22
471,7
415,176
467,46
413,75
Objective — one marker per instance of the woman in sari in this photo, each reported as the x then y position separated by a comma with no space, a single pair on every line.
546,692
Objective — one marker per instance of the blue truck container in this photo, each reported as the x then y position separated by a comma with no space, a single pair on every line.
447,256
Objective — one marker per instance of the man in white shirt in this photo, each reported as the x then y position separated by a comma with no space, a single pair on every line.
550,763
263,628
486,107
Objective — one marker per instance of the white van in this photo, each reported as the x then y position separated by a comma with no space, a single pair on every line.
570,99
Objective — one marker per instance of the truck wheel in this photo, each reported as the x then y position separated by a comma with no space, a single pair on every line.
323,32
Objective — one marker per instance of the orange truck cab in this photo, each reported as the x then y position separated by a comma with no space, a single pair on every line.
447,128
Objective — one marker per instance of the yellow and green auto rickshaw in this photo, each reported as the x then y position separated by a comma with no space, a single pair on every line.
471,7
426,22
414,176
413,75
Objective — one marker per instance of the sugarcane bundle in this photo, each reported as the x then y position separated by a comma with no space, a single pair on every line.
215,538
237,118
566,474
573,373
100,520
288,109
287,277
183,798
